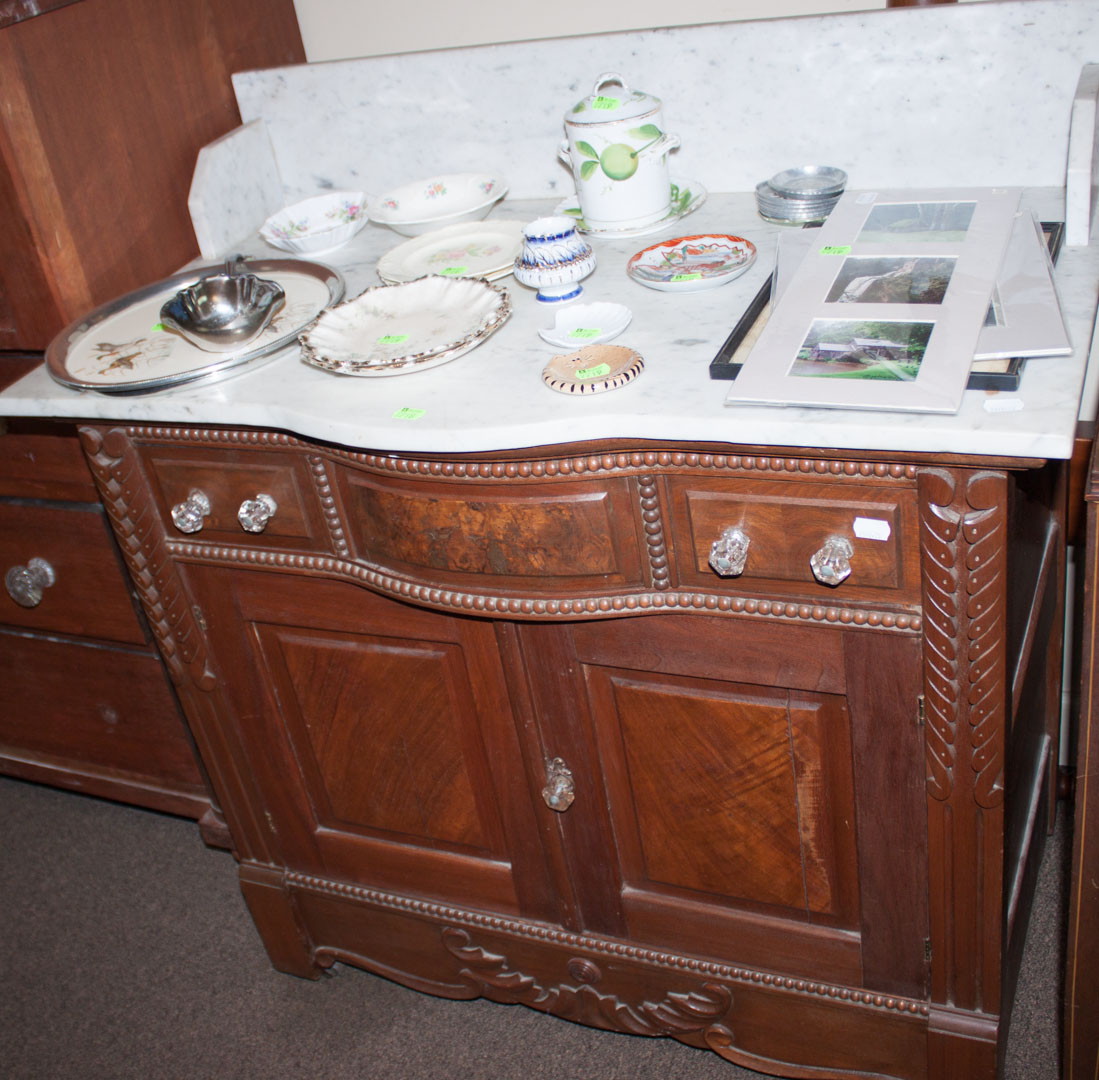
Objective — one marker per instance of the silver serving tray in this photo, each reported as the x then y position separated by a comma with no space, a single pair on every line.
120,347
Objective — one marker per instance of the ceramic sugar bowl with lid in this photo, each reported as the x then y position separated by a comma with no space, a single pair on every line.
618,152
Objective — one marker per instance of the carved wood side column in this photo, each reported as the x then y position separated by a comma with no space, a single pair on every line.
135,519
963,534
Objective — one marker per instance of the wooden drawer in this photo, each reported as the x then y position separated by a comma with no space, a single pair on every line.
90,596
97,719
786,523
514,538
40,460
230,477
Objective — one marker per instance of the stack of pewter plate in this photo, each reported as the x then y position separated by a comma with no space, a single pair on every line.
800,196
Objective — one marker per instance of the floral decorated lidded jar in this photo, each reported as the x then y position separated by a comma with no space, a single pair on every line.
618,152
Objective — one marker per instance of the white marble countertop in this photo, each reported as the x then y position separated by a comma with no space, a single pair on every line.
493,398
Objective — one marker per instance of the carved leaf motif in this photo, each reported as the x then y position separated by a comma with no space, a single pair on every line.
677,1014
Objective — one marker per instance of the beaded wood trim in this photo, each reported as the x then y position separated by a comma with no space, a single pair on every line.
550,467
520,607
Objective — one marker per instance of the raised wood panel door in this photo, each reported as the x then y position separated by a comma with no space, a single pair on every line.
729,802
381,739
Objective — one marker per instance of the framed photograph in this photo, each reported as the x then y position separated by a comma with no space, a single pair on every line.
1000,373
886,307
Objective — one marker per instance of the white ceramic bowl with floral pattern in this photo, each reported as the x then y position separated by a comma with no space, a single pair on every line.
317,225
416,208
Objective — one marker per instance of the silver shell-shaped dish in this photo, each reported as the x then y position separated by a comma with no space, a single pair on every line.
223,312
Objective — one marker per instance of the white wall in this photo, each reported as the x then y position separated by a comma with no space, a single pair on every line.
341,29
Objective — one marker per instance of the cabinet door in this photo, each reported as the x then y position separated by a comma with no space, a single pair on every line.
723,760
380,737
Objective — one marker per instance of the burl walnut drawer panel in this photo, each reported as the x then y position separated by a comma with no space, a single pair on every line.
786,523
565,536
229,478
90,596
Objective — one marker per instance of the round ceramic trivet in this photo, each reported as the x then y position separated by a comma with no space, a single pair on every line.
593,369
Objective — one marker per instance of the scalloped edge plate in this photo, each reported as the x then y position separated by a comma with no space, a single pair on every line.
411,326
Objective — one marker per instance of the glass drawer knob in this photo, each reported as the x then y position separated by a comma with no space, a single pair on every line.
729,553
25,584
254,514
189,516
560,789
832,564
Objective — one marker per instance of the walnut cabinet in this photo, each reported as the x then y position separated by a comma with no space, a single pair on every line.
495,725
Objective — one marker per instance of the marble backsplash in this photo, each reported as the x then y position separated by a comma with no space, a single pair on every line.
967,94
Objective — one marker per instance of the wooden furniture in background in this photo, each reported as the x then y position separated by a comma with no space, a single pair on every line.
104,105
1081,1034
493,726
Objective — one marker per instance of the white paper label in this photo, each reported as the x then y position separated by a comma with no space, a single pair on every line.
1002,404
871,529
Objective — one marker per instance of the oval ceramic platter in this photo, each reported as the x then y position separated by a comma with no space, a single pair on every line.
485,249
686,195
122,348
594,369
691,263
413,326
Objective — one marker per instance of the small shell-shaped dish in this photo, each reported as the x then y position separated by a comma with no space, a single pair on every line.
317,225
587,324
392,329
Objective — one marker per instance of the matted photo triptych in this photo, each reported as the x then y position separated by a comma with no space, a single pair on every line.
887,306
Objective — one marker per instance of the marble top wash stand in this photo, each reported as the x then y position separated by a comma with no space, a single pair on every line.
754,97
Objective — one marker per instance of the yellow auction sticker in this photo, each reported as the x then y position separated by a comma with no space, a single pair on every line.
392,339
408,414
585,332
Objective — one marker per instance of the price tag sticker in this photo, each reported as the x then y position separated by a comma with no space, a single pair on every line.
836,249
392,339
871,528
585,332
686,277
408,414
454,271
156,328
602,102
593,372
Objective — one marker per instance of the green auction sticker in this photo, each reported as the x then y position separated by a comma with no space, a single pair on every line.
602,102
454,271
593,372
408,414
392,339
585,332
686,277
156,327
836,249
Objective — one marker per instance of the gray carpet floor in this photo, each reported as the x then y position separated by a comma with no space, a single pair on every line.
126,952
